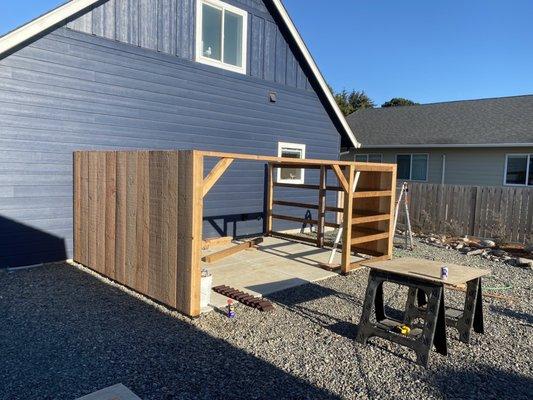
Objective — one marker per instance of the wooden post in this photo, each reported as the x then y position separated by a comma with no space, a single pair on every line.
190,211
347,221
321,207
270,200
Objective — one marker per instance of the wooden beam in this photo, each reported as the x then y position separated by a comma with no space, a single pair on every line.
380,167
321,207
295,204
215,174
213,242
269,200
341,178
372,193
315,187
219,255
347,222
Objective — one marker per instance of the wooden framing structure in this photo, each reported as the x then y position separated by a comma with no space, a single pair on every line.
138,215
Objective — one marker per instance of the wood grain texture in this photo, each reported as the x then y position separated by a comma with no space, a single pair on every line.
110,212
130,222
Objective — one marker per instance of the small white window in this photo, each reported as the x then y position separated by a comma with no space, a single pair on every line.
519,169
221,35
412,167
291,175
374,158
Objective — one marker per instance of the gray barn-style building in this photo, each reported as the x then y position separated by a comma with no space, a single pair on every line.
230,75
486,142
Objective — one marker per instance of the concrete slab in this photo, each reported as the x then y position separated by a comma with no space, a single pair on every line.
115,392
276,264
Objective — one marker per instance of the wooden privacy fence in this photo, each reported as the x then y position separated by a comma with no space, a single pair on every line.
505,213
133,221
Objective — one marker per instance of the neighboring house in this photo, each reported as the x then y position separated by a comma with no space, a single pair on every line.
231,76
486,142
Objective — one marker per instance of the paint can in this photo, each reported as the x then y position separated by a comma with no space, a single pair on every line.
230,308
444,273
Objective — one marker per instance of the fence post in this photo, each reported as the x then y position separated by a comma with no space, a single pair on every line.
473,207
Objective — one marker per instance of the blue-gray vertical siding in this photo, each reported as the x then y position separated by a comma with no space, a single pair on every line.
168,27
70,91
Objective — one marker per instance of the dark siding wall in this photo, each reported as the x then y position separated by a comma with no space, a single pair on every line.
168,26
71,91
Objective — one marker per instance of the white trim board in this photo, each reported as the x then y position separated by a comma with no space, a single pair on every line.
61,14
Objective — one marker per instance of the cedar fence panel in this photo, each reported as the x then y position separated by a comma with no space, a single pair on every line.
503,212
134,220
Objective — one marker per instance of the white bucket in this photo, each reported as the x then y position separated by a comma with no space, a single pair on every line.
205,291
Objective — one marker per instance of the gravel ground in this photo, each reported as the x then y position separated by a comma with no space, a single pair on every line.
65,334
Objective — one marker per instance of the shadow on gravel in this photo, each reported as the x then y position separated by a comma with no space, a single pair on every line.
496,384
527,318
65,334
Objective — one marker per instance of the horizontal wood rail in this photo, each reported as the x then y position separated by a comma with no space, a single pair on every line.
303,220
304,205
295,219
295,204
372,193
365,235
292,237
362,217
301,186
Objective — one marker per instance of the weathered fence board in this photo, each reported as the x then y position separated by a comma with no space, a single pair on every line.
498,212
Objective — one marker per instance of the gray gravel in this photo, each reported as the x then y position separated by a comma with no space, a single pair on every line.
65,334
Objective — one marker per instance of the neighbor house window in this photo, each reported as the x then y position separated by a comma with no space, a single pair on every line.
291,175
375,158
221,33
413,167
519,169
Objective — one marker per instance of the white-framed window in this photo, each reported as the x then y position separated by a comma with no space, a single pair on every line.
412,167
375,158
291,175
221,35
518,170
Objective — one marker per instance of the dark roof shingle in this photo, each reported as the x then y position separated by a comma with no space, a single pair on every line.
484,121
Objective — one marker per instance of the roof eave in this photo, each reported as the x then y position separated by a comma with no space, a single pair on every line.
444,145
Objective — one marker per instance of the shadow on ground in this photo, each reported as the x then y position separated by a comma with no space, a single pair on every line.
65,334
496,383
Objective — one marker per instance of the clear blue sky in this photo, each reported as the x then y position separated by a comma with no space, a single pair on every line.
427,51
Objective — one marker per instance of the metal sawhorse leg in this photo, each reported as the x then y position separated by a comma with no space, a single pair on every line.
462,320
421,341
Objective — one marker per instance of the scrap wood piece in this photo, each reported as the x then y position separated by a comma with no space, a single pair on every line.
485,294
232,250
244,298
218,241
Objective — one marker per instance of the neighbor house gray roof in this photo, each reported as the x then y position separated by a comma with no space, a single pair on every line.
505,121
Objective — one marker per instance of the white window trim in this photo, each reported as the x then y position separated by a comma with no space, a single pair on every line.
529,157
411,165
298,146
199,48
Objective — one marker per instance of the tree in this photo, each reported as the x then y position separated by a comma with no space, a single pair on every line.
398,102
350,102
